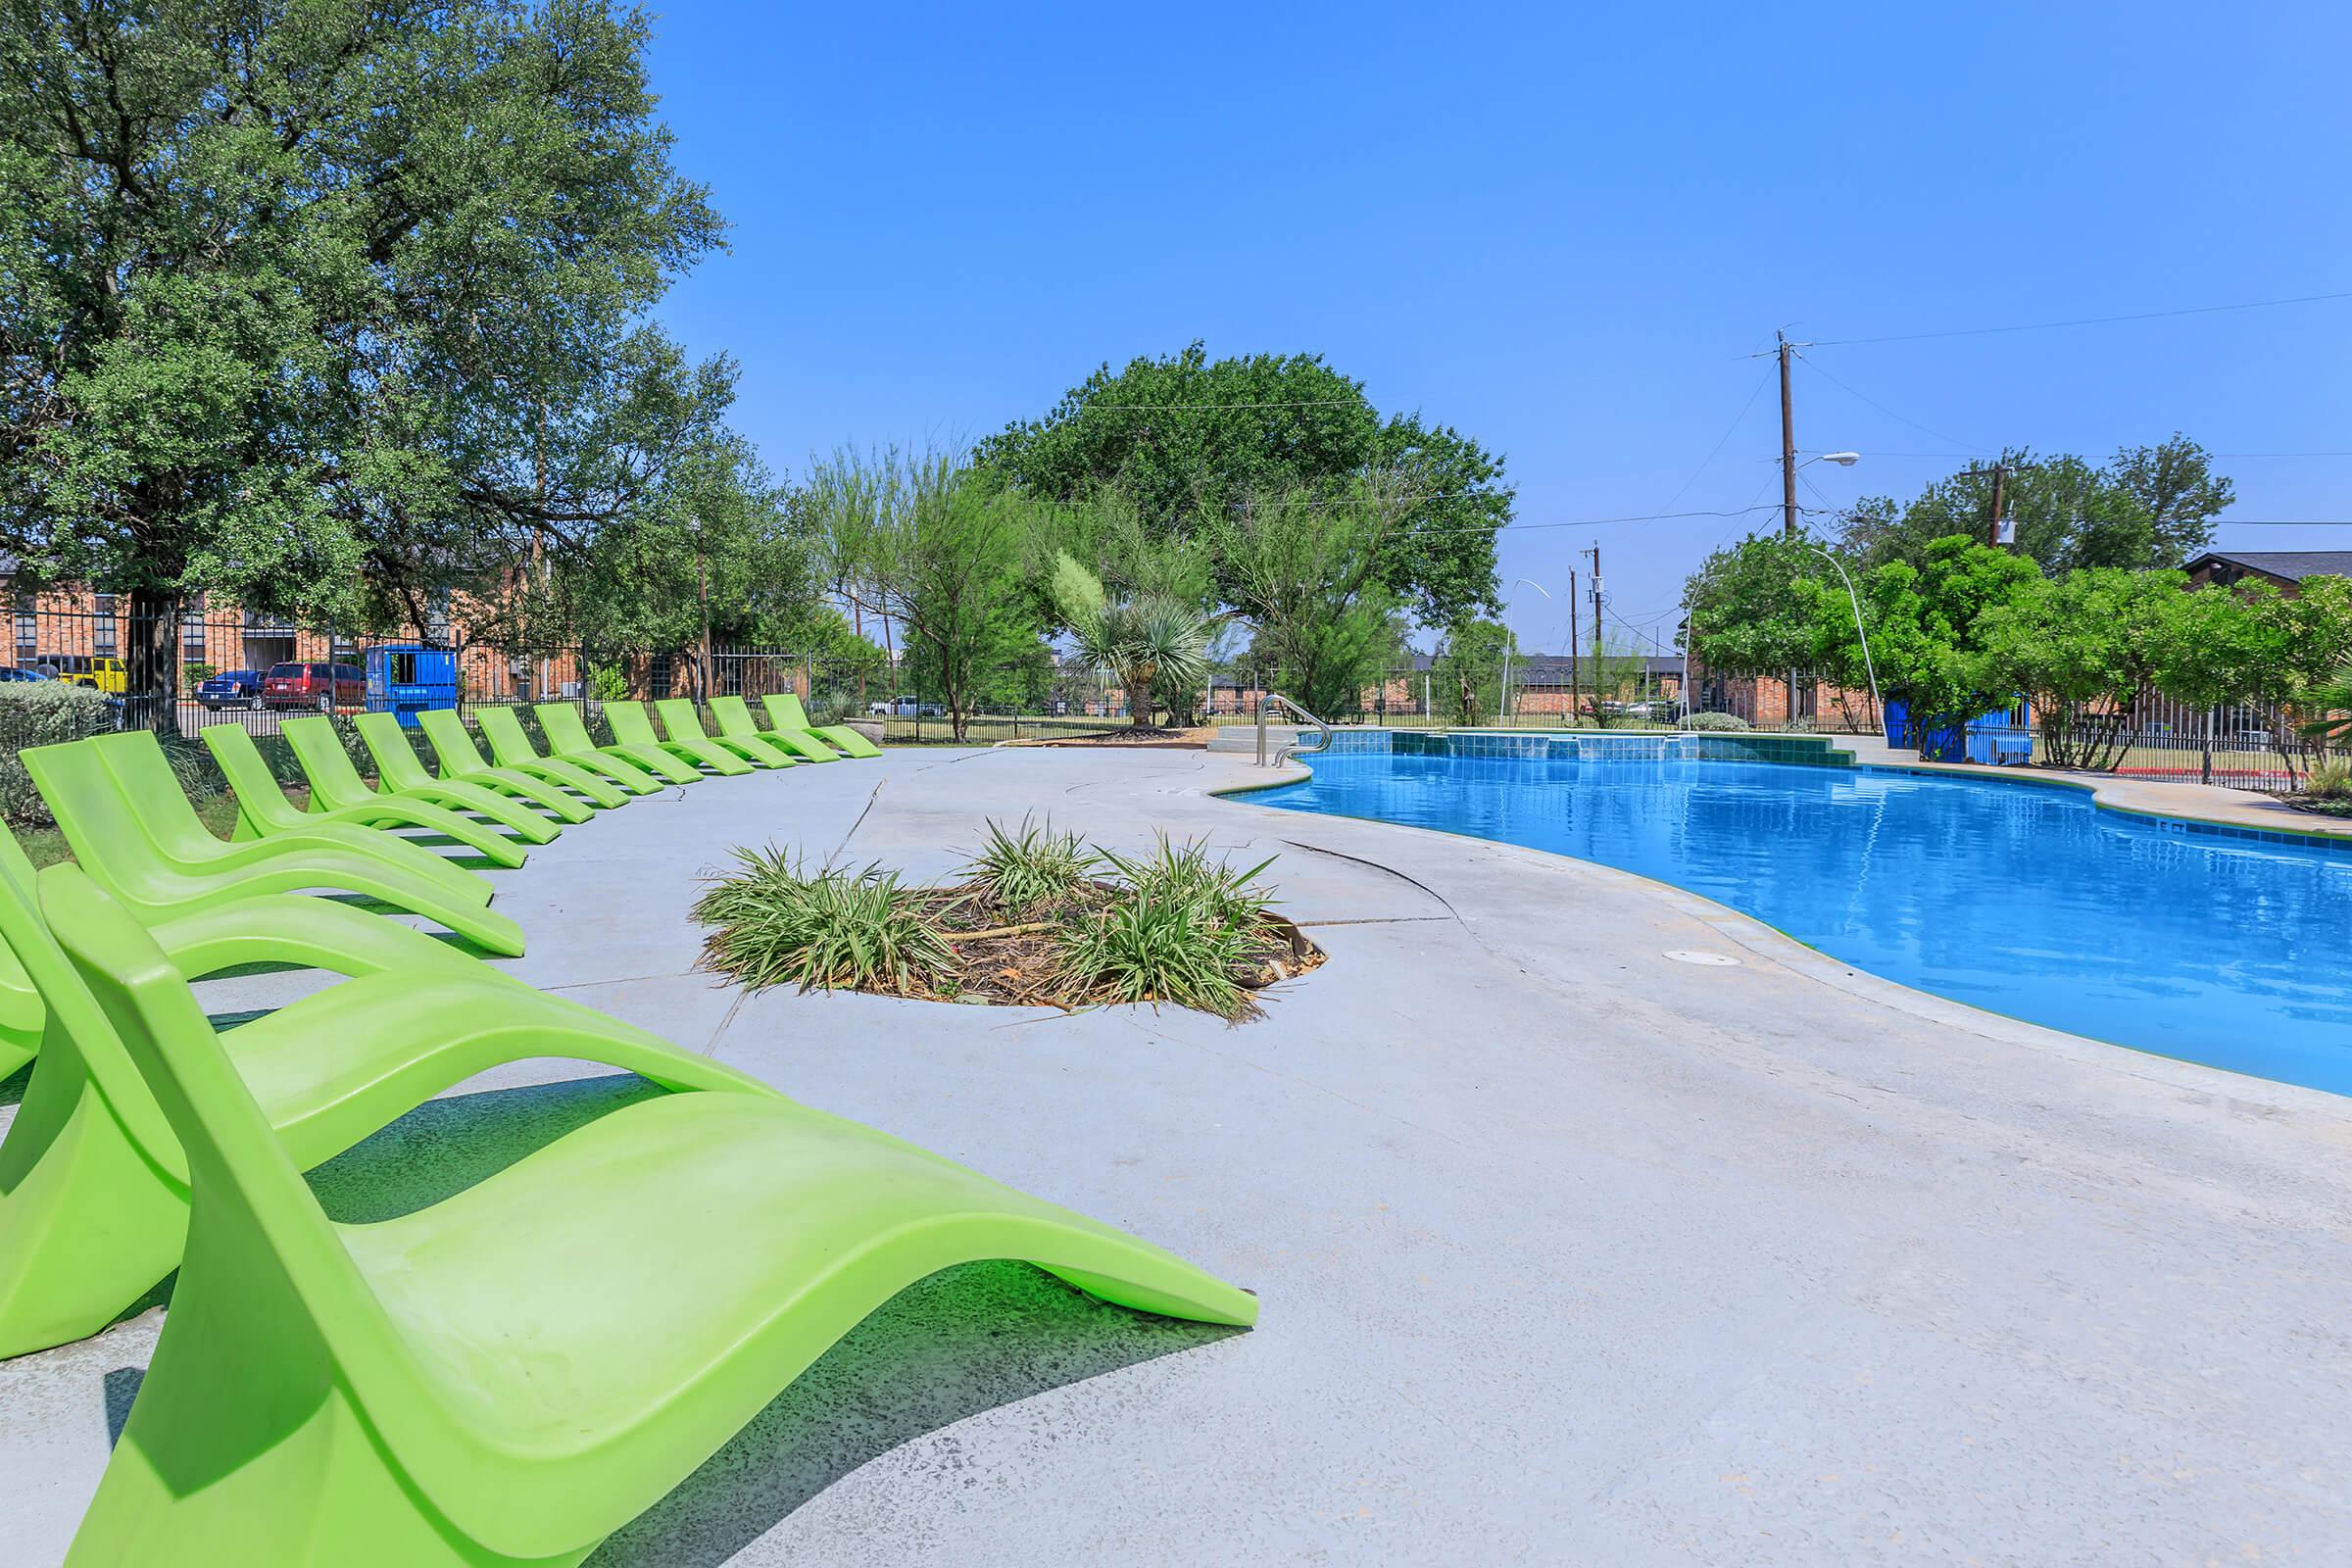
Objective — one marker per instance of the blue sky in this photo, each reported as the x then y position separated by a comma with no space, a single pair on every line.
1559,228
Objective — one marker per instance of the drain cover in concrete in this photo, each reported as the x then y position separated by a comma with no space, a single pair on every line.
1713,960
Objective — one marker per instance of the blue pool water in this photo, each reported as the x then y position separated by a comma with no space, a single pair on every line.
2028,902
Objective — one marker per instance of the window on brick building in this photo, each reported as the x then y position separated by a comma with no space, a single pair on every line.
191,630
28,627
101,624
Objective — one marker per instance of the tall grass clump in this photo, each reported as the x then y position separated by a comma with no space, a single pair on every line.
774,922
2330,780
1178,932
1035,866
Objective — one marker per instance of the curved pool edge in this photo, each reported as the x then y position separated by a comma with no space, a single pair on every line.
1774,945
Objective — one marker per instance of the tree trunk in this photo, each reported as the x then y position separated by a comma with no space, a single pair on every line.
151,661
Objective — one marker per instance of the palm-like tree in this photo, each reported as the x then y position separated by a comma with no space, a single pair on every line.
2332,703
1139,639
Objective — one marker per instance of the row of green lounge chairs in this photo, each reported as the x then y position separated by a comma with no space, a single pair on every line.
505,1376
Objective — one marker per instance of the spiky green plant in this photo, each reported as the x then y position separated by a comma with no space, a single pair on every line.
774,922
1139,639
2331,702
2330,780
1032,868
1185,872
1178,931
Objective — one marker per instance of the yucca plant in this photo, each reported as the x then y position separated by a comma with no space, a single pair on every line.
774,922
2331,702
1138,639
1185,872
2330,780
1032,868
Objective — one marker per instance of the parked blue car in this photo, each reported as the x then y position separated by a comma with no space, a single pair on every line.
14,674
231,688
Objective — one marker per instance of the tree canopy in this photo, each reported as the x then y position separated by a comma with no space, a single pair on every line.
1191,441
328,304
2146,507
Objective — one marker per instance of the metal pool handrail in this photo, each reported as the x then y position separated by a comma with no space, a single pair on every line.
1277,700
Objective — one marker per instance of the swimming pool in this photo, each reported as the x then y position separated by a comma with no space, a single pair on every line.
2024,900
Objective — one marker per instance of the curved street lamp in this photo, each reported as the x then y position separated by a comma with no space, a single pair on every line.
1505,702
1855,600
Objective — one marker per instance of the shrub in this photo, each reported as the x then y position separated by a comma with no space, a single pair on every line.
1025,870
43,714
609,684
2330,780
1714,722
1182,927
776,922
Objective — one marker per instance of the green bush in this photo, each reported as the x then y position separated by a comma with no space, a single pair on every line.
1032,868
43,713
2330,780
1714,722
774,921
1183,925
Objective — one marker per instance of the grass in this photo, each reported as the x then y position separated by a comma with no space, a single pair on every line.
775,923
1179,930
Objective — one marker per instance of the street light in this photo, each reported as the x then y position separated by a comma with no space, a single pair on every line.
1859,631
1843,460
1505,702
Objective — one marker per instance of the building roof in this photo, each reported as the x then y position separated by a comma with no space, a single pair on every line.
2287,565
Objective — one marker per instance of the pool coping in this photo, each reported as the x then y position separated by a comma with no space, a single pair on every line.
1769,941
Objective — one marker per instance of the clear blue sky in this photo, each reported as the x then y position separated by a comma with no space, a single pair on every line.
1559,230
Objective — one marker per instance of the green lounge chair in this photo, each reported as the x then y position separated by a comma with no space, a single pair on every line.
678,716
631,726
274,928
510,1375
510,746
786,714
568,738
94,1188
262,808
735,720
398,766
462,759
144,778
336,783
157,858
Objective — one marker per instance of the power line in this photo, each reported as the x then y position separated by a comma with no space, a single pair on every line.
1737,421
1880,406
2084,321
1296,403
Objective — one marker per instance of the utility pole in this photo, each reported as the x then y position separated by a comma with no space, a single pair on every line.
1595,553
1787,444
1994,534
1572,657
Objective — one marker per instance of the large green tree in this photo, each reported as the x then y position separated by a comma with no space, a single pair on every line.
1191,440
2146,507
328,304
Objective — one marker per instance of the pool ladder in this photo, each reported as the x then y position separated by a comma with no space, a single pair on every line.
1277,700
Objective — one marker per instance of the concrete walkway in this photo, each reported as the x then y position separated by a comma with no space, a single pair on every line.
1571,1252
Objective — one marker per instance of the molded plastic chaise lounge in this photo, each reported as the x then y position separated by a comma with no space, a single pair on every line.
510,746
735,720
508,1375
631,726
567,737
271,928
460,758
156,856
679,717
785,713
398,765
336,783
464,765
144,779
93,1185
262,808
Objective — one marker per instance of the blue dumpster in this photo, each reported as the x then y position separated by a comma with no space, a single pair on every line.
404,679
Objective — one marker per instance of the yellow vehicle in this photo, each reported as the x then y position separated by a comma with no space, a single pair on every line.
103,670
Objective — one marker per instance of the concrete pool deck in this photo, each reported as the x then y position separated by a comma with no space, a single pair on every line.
1570,1251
